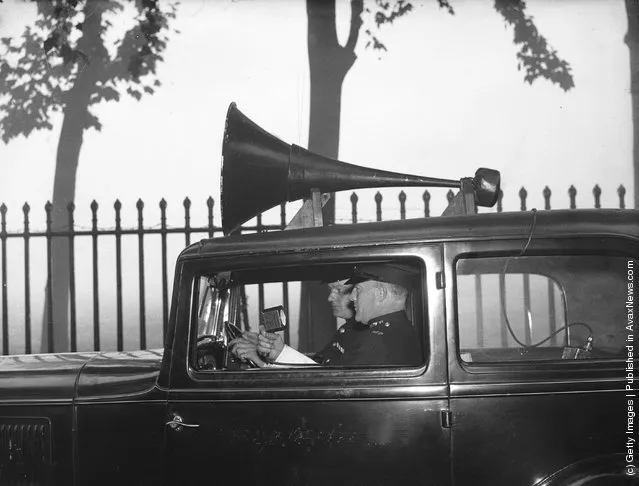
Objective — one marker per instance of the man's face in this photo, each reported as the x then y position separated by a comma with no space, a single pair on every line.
364,296
339,298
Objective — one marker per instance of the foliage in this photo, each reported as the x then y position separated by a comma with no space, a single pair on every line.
39,69
536,57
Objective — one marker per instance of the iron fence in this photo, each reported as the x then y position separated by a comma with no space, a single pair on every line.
96,234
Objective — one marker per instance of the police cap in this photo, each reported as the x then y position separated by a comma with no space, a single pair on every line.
394,273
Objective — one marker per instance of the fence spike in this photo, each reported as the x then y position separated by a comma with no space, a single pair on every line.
426,199
596,191
3,213
378,203
26,209
187,220
621,191
209,203
402,205
572,192
354,200
139,204
523,194
547,193
48,208
450,195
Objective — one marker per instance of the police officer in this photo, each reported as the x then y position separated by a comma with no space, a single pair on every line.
246,346
380,332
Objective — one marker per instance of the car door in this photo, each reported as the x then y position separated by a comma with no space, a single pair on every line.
320,425
536,414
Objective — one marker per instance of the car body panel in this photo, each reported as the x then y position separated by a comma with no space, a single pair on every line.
447,422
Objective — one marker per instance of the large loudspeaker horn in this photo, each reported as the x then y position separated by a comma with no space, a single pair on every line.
260,171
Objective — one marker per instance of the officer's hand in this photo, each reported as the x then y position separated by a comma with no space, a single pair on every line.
269,344
246,350
248,336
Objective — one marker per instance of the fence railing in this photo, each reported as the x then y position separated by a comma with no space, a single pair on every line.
96,234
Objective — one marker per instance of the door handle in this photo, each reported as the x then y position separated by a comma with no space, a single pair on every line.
177,422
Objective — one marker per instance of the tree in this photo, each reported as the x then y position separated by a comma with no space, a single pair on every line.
632,40
329,63
62,64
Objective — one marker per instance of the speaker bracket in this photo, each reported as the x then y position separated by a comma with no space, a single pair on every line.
310,214
464,200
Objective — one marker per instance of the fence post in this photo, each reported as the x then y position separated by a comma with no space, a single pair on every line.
118,274
5,299
72,316
523,194
165,284
27,282
402,205
48,207
426,199
572,192
209,203
378,203
140,207
96,295
283,225
187,221
621,191
354,199
596,191
450,195
547,193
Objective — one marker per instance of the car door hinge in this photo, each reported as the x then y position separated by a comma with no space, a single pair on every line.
440,280
447,419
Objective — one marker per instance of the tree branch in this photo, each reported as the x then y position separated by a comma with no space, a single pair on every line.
357,7
535,55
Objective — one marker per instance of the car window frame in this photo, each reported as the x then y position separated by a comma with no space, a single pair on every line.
185,376
511,371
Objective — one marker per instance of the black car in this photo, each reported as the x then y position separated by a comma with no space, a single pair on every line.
524,325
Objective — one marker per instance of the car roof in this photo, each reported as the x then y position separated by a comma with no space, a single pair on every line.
559,223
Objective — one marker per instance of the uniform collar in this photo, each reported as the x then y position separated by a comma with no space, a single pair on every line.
393,317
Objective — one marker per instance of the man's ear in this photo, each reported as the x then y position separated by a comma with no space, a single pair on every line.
381,292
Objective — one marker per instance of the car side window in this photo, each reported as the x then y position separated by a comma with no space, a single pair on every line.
551,307
322,315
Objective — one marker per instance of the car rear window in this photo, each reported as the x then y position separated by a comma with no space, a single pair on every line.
546,307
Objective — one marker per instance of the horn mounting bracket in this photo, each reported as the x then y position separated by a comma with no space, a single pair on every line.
310,214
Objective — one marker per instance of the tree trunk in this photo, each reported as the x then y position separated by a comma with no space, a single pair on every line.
632,39
329,63
76,117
